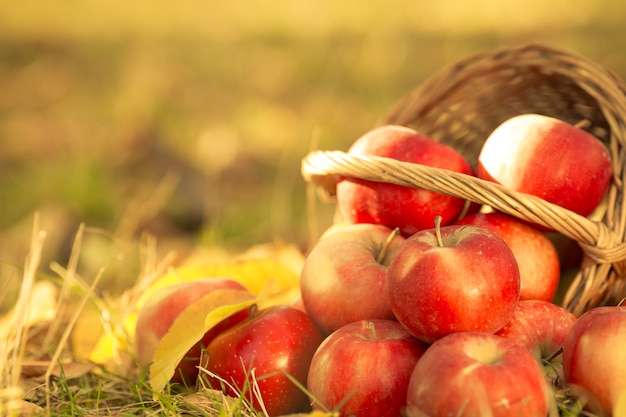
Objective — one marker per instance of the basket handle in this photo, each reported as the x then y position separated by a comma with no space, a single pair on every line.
600,244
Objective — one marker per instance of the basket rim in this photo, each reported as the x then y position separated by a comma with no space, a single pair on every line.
326,168
599,82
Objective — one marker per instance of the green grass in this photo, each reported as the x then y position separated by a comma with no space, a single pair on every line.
100,393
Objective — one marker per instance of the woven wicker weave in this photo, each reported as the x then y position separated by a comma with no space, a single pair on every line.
461,105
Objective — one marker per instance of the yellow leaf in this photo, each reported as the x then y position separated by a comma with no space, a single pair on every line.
287,297
188,329
114,344
620,404
254,274
260,269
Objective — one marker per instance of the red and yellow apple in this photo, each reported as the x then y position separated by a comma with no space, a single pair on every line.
537,258
363,369
548,158
257,359
410,209
594,358
476,374
539,326
344,276
453,279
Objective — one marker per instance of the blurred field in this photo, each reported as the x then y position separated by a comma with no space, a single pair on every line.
188,120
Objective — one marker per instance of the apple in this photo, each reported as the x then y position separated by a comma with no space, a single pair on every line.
163,307
410,209
594,357
476,374
537,258
548,158
363,369
539,326
453,279
259,356
344,276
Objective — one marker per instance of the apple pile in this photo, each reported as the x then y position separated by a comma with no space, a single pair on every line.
420,304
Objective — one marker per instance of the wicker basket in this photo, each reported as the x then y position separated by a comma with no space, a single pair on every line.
462,104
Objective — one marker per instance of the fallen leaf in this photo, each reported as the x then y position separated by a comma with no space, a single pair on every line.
620,404
189,327
210,399
67,370
22,408
253,268
254,274
43,310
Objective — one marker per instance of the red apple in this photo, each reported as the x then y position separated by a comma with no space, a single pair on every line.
475,374
344,276
594,357
453,279
163,307
267,349
537,258
364,369
539,326
410,209
548,158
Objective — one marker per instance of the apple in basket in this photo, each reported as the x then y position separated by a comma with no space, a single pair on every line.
548,158
536,255
410,209
453,279
344,276
594,359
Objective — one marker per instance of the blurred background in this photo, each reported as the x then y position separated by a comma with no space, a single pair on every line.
188,120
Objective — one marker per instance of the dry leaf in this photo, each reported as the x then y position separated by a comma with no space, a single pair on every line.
43,310
254,268
68,370
212,401
254,274
209,399
21,408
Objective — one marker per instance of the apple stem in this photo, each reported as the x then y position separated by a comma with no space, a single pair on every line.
254,308
383,252
438,231
555,354
372,328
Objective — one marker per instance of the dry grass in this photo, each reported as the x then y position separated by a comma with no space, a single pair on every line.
41,375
